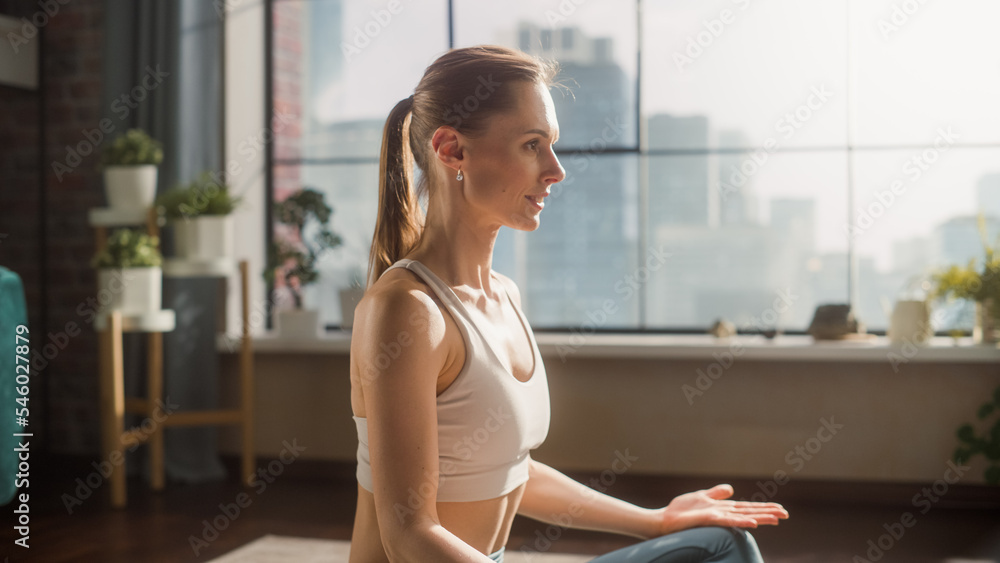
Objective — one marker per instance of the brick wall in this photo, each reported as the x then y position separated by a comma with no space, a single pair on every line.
287,81
73,72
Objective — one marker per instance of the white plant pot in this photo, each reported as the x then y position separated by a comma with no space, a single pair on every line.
349,298
298,324
130,187
910,322
206,237
130,290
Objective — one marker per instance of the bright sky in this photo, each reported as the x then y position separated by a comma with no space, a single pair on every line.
911,76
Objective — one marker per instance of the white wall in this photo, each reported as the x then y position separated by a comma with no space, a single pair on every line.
897,427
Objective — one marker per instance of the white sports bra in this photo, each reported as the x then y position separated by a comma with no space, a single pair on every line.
488,420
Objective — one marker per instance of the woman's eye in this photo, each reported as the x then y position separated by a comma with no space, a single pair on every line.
533,144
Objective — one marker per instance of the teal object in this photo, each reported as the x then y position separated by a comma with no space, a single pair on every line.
13,312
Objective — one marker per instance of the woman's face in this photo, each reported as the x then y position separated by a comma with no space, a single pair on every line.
509,168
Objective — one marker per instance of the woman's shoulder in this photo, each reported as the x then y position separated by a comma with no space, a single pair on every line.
398,298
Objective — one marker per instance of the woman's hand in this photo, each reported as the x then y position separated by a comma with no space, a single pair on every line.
709,508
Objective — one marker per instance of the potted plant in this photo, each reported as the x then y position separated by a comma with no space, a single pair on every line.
129,275
988,444
200,214
130,164
350,296
981,285
301,235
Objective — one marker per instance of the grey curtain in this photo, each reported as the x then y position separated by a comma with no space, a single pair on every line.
163,73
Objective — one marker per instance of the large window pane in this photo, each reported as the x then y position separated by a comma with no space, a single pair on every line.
916,211
924,65
341,65
584,253
595,45
352,191
764,69
781,239
753,70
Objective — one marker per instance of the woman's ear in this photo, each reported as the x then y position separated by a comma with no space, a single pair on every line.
447,143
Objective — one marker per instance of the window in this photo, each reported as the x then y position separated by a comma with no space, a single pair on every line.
746,160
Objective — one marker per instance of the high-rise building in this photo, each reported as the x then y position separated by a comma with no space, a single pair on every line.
678,183
958,240
585,244
988,195
737,204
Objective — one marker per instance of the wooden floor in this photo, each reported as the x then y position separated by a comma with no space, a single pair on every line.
830,522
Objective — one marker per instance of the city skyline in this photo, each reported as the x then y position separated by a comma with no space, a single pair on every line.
696,189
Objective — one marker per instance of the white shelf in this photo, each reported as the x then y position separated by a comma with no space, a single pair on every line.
112,217
332,343
684,347
781,348
183,268
154,321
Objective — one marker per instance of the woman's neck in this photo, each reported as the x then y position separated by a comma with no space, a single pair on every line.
458,250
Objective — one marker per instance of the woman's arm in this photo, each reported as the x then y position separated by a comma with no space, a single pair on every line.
555,498
400,404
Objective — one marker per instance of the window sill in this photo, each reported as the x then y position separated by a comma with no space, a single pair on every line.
682,347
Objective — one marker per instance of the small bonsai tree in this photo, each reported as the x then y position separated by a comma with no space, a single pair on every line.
205,195
293,254
127,248
988,444
133,148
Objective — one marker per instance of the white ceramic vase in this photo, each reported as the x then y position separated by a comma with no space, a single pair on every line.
298,324
986,329
910,322
206,237
130,290
130,187
349,298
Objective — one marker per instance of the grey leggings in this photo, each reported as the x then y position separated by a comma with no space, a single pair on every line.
697,545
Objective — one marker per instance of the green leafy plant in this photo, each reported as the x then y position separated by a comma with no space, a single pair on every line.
128,248
205,195
293,254
988,444
133,148
980,284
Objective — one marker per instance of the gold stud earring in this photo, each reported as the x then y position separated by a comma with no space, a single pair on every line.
459,177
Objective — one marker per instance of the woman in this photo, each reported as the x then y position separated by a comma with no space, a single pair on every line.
447,386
